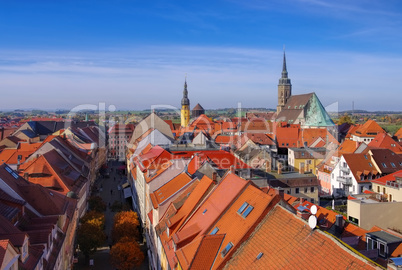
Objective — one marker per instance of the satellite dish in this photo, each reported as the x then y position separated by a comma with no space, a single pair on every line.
313,210
312,222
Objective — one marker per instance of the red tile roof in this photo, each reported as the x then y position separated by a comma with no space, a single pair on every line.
201,253
221,159
390,177
368,129
359,164
383,140
209,211
284,241
167,190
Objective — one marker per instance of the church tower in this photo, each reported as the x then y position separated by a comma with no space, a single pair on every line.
284,87
185,107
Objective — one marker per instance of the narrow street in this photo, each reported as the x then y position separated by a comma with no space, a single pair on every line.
110,191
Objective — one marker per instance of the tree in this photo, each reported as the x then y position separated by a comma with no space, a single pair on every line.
126,254
89,237
95,218
125,224
345,119
96,203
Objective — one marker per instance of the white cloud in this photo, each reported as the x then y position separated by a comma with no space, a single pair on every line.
136,78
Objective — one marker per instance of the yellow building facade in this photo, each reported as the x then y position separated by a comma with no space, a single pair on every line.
185,107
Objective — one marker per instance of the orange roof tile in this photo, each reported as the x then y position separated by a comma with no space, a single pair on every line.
209,211
235,226
192,201
348,147
398,134
390,177
368,129
383,140
360,164
201,253
170,188
284,241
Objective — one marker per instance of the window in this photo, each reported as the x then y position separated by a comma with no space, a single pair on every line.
378,189
384,165
297,190
393,165
381,249
312,189
371,165
226,249
204,211
247,211
214,231
305,190
365,156
356,221
241,209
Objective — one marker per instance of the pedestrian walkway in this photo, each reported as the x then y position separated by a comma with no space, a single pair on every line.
110,192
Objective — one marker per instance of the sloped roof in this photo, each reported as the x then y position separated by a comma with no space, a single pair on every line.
167,190
358,163
386,160
383,140
294,107
200,253
398,134
224,194
368,129
198,107
390,177
151,121
283,240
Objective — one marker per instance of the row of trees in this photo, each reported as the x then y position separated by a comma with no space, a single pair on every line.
125,252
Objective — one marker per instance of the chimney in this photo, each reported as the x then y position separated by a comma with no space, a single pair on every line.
279,168
280,192
301,167
339,224
214,176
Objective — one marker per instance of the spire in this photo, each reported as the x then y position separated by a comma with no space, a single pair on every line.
284,80
185,100
284,70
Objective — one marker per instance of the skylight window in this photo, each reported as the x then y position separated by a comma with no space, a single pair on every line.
384,165
227,248
393,165
241,209
8,169
214,231
259,255
370,164
247,211
365,156
204,211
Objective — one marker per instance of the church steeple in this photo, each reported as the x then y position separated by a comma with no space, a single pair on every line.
284,86
185,106
185,100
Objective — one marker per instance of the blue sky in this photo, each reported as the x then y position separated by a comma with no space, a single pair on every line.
134,54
